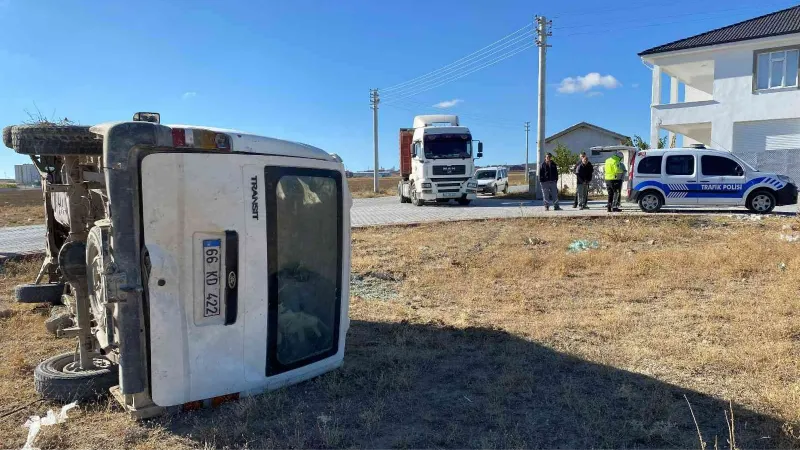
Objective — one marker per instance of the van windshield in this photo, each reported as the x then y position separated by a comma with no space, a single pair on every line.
486,174
444,146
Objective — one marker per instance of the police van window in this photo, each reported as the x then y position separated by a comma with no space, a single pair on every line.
720,166
680,165
650,165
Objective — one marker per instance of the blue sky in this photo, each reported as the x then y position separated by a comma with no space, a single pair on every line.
301,70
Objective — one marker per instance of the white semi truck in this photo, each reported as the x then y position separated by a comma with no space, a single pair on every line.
437,161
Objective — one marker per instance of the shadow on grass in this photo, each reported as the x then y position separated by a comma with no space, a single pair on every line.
421,386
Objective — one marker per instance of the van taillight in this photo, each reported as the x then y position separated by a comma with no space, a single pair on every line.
631,168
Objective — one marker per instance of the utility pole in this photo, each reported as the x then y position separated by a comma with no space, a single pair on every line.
527,129
542,33
375,99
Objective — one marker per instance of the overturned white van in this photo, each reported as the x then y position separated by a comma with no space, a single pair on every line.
197,264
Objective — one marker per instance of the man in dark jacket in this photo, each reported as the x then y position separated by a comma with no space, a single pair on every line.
548,176
584,172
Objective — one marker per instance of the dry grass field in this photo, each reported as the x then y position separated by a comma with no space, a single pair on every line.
490,334
21,207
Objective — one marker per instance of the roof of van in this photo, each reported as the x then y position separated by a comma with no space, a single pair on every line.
248,143
685,149
491,168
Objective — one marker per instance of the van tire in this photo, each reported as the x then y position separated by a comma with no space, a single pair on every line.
505,189
761,201
651,201
55,379
53,140
39,293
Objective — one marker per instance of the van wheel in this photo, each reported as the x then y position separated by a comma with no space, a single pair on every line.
761,202
505,189
49,139
651,202
60,378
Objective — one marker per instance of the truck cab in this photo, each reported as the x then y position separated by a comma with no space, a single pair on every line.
437,161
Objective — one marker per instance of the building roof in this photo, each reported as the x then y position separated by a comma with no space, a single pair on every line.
584,125
786,21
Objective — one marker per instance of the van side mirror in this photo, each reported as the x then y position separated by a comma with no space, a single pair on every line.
480,149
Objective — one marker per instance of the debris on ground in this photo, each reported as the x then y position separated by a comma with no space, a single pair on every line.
582,245
782,266
34,424
375,285
750,217
534,241
793,237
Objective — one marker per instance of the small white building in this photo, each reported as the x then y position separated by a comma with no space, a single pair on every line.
579,138
26,175
734,88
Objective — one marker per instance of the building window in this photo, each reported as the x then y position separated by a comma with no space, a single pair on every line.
778,69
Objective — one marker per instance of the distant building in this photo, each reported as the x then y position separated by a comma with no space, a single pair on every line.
26,175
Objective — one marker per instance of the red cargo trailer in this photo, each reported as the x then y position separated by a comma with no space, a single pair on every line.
406,138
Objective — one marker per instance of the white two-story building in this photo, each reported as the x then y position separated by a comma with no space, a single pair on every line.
734,88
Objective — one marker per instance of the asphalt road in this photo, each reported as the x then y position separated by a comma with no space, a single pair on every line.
389,211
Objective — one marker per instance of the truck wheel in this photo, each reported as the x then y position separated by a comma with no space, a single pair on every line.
415,197
464,201
59,378
53,140
39,293
761,202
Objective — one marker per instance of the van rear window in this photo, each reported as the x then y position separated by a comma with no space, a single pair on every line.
650,165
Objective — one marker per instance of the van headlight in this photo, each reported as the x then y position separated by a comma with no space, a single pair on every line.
786,179
472,184
426,185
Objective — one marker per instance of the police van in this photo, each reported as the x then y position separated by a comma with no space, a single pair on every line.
704,177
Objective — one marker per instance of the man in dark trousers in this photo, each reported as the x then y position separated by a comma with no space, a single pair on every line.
584,171
615,171
548,176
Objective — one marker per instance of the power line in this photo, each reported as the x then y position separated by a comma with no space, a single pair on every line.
396,86
502,57
466,65
481,119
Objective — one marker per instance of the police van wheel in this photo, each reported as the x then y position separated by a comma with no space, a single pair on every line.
651,202
761,202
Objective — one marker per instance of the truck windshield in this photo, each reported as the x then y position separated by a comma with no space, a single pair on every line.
485,174
442,146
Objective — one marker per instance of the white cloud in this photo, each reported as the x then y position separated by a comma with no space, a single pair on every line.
448,103
572,85
188,95
594,94
635,85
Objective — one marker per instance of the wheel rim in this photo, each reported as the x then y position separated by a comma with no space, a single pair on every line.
74,366
762,202
650,202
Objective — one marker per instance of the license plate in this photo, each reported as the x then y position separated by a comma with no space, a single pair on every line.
451,194
212,268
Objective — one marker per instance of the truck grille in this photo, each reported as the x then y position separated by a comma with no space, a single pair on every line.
449,170
453,179
448,190
448,184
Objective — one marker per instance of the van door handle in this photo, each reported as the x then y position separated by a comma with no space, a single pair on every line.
705,181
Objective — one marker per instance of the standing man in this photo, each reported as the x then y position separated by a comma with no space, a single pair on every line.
615,171
548,176
575,171
584,172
